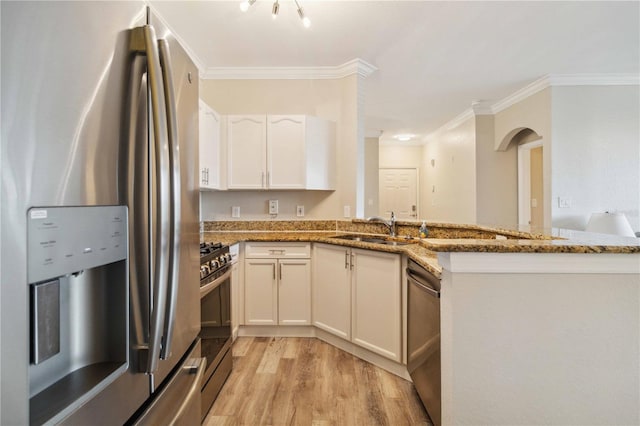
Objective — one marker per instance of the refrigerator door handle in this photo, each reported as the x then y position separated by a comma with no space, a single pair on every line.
144,41
174,163
137,224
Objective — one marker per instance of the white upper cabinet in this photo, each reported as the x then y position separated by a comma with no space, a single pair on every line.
286,152
247,151
280,152
209,140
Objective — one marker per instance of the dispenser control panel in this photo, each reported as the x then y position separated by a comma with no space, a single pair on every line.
66,240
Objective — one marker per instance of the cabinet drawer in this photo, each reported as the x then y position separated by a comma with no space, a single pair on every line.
292,250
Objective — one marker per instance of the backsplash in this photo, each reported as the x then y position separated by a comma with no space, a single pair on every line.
270,225
361,226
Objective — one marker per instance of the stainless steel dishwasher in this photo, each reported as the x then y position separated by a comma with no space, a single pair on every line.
423,337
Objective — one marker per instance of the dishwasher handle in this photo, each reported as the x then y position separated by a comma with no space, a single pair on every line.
416,280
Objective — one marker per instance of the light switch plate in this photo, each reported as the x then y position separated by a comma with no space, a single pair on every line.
300,211
347,211
235,211
564,202
273,206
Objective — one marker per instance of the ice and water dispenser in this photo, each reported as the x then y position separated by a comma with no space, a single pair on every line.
78,283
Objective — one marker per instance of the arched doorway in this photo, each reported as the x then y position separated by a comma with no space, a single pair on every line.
531,196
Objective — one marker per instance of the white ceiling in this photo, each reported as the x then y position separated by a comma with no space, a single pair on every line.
433,58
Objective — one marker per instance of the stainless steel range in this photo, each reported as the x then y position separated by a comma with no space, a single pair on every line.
215,332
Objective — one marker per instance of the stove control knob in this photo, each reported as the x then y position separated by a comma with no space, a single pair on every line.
222,260
204,271
215,264
227,257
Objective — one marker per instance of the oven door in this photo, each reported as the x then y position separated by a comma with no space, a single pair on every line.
215,333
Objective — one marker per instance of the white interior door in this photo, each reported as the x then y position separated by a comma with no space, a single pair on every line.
398,193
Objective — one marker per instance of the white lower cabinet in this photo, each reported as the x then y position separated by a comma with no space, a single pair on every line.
376,303
277,290
332,289
294,292
357,296
261,292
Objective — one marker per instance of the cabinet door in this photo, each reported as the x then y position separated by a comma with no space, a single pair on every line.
260,294
246,151
286,161
377,303
294,292
209,144
332,290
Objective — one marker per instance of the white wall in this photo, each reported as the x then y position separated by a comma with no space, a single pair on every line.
547,347
532,113
496,177
399,157
596,153
473,182
449,186
335,100
371,154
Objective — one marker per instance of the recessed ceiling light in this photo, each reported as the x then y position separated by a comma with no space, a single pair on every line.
404,138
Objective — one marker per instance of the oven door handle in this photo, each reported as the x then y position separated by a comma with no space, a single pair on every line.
207,288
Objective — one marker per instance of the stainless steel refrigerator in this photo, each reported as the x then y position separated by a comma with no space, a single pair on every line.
99,296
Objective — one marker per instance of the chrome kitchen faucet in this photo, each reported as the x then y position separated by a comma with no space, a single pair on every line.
390,224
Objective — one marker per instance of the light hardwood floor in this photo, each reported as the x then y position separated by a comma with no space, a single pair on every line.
305,381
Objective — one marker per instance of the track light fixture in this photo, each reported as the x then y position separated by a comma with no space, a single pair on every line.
246,4
305,20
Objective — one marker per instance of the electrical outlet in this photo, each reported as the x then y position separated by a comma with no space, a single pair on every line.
347,211
273,206
235,211
300,211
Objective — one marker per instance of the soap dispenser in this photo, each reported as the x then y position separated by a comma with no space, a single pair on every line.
423,231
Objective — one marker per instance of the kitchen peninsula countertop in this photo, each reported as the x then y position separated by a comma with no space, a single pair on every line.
415,251
423,251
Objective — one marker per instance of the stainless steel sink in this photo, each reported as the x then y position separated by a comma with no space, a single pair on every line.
372,240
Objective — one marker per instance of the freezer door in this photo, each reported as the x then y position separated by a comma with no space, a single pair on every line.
178,400
64,70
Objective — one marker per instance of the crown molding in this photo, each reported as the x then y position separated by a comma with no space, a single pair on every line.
550,80
488,108
594,79
521,94
355,66
482,108
451,124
